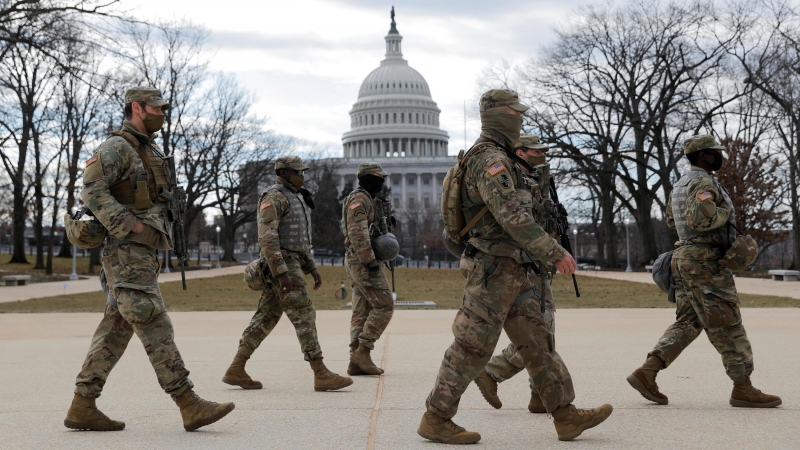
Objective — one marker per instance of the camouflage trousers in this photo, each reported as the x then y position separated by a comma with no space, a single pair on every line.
373,305
298,307
131,277
493,301
509,362
707,300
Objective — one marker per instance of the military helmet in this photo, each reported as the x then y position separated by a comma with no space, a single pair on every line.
742,254
386,247
290,162
532,142
147,94
455,249
496,98
701,142
84,233
371,168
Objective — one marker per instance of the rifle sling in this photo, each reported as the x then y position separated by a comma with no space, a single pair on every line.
474,220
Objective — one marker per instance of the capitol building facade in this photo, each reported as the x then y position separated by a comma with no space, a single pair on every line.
396,123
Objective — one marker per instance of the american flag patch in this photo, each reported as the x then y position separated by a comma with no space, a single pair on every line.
703,196
265,205
355,205
91,160
495,169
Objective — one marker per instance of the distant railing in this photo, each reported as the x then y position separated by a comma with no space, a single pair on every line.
412,263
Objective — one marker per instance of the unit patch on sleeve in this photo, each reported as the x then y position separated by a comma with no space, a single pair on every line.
265,205
496,168
703,196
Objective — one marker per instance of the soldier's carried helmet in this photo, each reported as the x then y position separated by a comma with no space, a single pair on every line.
385,247
84,233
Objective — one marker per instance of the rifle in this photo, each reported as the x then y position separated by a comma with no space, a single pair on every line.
386,226
176,207
553,215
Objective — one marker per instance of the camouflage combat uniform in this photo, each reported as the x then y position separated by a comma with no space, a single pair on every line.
509,362
284,234
498,292
130,264
372,299
700,209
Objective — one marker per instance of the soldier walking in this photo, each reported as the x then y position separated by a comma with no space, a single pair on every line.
509,362
701,211
503,240
126,187
284,234
373,305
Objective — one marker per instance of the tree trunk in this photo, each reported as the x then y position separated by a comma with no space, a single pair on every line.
19,225
794,168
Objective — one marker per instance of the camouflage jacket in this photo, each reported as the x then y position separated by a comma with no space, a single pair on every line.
272,207
358,213
706,210
492,179
116,160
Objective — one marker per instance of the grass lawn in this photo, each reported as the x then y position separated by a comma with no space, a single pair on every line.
63,266
445,287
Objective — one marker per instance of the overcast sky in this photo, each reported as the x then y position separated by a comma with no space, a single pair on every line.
304,60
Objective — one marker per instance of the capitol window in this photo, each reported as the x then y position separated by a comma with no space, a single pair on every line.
395,118
372,120
402,117
411,181
417,117
379,119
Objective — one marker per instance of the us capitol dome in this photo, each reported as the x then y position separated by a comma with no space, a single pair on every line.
396,122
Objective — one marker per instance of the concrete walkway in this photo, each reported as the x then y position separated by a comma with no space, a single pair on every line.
92,284
759,286
40,354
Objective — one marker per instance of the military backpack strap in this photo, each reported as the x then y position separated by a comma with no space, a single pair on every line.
474,220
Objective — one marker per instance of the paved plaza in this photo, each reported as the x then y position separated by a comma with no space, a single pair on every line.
40,354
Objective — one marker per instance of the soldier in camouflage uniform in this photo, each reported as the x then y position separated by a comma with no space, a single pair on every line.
372,300
498,294
126,186
509,362
700,210
284,234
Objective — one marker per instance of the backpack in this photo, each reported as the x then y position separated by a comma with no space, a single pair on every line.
455,227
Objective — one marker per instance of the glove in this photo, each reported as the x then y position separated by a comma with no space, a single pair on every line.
393,221
374,268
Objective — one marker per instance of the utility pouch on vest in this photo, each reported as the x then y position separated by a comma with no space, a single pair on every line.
742,253
141,195
662,275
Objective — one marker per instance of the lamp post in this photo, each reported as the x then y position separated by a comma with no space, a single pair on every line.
425,254
74,275
166,261
628,244
575,233
218,264
246,247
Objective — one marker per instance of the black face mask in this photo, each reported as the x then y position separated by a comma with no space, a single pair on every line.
371,183
717,164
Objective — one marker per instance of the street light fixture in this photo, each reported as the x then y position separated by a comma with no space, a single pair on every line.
166,261
628,244
218,264
575,233
246,247
74,275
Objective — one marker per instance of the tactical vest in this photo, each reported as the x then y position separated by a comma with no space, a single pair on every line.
370,220
295,227
471,209
148,184
680,194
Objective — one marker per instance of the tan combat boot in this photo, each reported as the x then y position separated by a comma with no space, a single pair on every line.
354,370
197,412
535,405
445,431
236,375
84,415
744,395
570,421
362,359
488,388
643,380
325,380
